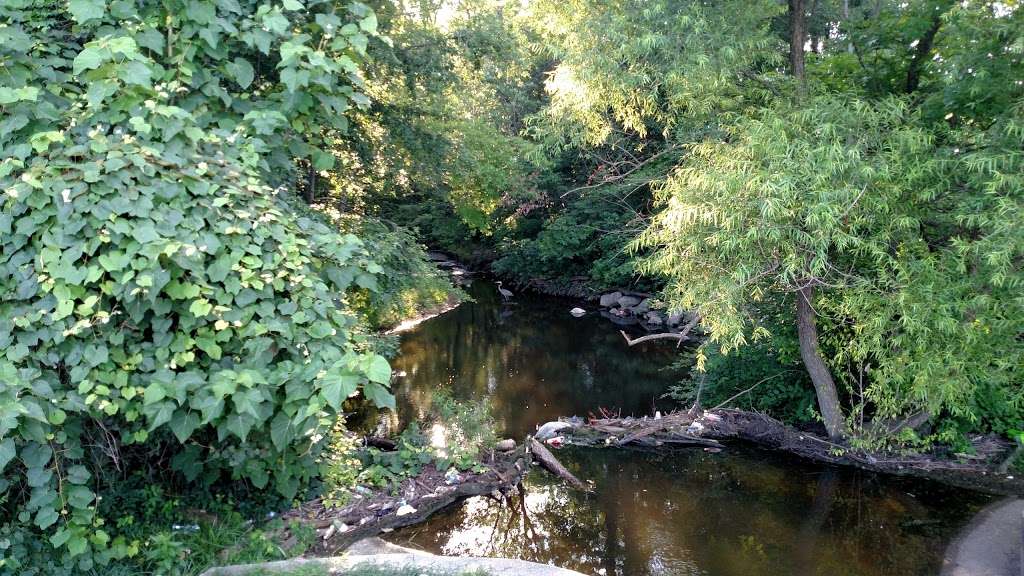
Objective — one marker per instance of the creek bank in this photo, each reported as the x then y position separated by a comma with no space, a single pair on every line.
372,512
460,276
713,428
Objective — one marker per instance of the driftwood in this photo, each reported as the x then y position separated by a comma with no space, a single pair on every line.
545,458
638,432
682,336
713,427
385,444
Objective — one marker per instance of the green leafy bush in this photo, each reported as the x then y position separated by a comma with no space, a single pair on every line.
454,435
162,300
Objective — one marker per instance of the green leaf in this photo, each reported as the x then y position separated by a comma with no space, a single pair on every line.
338,385
276,22
200,308
91,57
145,232
159,414
379,395
241,71
183,424
57,417
136,73
219,270
46,517
323,160
7,452
320,329
77,545
60,537
41,141
280,431
79,496
12,95
83,11
114,260
295,78
292,5
369,24
181,290
155,392
150,38
209,346
378,370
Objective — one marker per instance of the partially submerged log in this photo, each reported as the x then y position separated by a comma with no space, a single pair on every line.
545,458
713,427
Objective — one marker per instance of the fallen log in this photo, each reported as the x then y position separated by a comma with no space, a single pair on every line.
545,458
386,444
713,427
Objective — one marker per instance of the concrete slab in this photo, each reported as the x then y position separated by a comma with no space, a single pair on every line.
991,545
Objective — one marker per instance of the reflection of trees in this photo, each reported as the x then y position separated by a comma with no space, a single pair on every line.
733,513
536,364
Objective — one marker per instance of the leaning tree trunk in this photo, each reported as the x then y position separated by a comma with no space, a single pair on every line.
824,386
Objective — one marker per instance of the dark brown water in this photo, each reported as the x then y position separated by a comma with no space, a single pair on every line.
739,512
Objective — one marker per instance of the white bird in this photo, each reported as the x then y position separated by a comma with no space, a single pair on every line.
506,294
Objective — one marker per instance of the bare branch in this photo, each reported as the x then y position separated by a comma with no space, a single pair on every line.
681,336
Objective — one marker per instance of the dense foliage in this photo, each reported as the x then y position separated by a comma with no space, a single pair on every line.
161,292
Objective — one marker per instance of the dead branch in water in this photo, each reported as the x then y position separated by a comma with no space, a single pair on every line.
681,336
545,458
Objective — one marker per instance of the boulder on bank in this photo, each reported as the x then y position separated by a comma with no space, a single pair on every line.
628,301
609,300
505,445
619,319
550,430
991,543
643,307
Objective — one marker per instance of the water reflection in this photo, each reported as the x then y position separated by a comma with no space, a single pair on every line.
531,360
739,512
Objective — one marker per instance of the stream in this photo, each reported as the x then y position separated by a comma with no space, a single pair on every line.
742,511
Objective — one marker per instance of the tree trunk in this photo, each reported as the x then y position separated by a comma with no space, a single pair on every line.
848,28
824,386
797,34
924,48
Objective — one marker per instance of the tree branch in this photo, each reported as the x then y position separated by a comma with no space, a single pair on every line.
681,336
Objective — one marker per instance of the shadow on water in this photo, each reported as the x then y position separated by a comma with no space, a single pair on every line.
739,512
